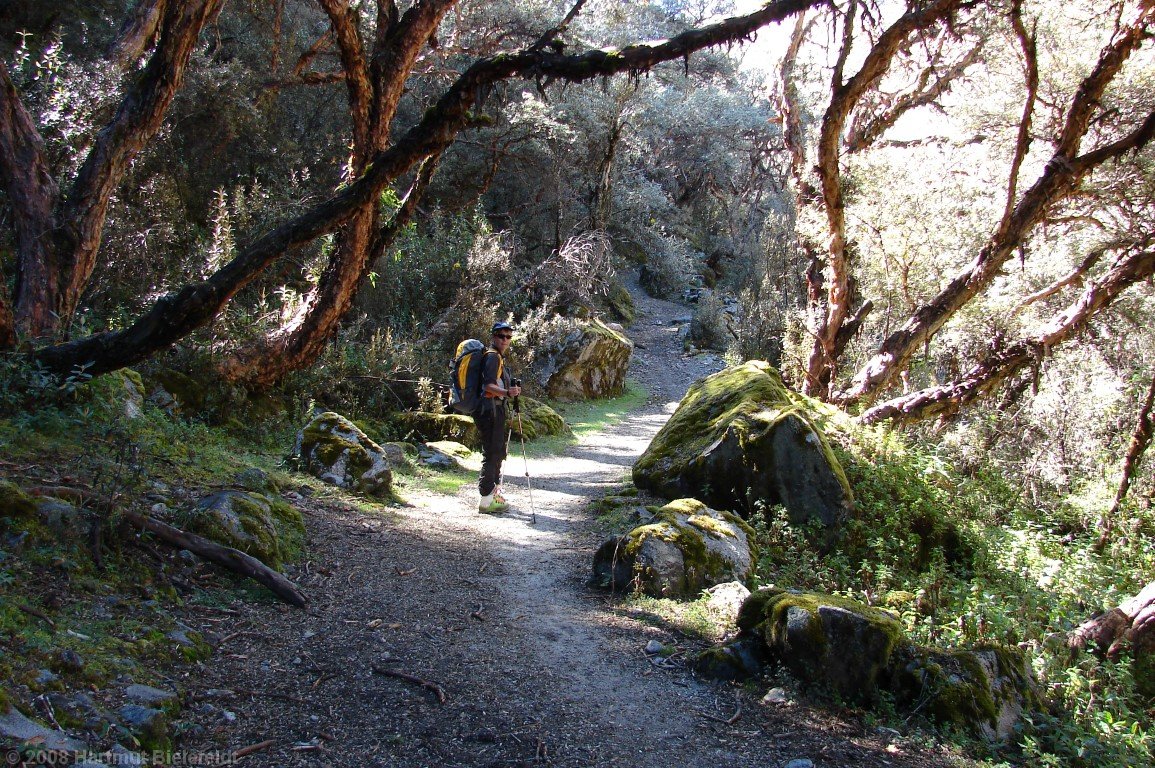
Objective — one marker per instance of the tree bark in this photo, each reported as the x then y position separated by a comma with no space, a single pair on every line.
138,32
32,193
179,313
136,122
1140,440
375,83
1131,625
58,240
1060,178
230,558
1003,364
845,96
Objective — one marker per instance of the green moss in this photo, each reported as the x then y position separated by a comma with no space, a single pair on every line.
702,566
720,444
15,503
266,528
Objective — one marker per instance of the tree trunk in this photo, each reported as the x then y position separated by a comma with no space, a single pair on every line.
1131,627
834,308
1140,439
139,118
58,240
138,32
374,92
32,193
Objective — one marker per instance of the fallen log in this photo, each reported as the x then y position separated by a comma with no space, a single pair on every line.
227,557
1133,621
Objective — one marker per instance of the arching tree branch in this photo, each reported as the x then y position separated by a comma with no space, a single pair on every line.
183,311
1059,179
1002,364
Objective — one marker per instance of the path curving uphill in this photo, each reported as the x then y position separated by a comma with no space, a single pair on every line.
493,614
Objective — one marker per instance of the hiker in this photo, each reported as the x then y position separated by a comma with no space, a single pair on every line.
496,387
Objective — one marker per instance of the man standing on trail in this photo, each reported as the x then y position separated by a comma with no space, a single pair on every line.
490,417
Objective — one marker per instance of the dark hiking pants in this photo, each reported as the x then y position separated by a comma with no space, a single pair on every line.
490,420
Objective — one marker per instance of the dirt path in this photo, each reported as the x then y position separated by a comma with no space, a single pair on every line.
535,667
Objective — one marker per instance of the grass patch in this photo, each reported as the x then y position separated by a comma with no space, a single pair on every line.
689,619
588,417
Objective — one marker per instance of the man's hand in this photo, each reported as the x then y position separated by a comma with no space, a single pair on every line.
514,391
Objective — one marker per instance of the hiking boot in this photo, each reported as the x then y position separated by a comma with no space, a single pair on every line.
492,505
499,497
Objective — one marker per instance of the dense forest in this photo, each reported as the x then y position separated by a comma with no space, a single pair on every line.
936,216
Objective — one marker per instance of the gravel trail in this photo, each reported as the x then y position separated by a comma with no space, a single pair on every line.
493,613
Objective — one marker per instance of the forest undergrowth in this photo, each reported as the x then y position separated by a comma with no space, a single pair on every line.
958,555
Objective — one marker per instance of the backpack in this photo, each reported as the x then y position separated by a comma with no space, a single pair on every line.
465,377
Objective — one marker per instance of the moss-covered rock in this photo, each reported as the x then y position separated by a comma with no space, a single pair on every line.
431,427
685,549
838,644
620,304
741,438
15,504
177,392
538,420
332,448
267,528
983,690
587,362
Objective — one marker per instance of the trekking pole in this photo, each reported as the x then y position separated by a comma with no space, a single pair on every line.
521,434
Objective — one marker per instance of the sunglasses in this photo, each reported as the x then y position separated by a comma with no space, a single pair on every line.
502,336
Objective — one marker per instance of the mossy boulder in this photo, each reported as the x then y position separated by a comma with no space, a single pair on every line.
685,549
15,504
537,420
983,690
332,448
842,647
620,304
741,438
586,362
267,528
431,427
838,644
177,392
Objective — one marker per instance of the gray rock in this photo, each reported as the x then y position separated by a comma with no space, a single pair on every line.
45,677
333,449
654,646
801,762
146,694
63,518
122,755
181,638
725,599
139,718
776,696
687,548
70,660
14,725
